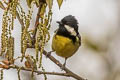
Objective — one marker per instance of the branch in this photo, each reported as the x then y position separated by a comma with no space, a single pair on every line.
37,21
39,72
60,65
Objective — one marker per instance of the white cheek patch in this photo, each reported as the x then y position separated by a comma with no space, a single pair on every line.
71,30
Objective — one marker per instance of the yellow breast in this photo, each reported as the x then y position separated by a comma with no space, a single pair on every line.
64,46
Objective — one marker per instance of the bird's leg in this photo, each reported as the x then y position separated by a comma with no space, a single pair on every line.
64,63
49,53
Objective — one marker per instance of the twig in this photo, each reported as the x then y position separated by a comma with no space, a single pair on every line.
65,69
37,22
40,72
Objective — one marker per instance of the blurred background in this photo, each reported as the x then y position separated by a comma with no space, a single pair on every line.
99,26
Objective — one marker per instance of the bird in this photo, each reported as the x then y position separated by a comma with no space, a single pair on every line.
66,40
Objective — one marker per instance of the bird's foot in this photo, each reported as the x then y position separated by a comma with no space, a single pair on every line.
63,67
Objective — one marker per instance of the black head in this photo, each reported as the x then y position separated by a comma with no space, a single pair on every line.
71,22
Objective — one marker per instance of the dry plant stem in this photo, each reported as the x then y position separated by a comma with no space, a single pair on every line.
37,21
40,72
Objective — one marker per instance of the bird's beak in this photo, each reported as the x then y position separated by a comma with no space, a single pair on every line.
59,22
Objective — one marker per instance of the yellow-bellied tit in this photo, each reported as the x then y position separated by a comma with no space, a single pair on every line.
67,39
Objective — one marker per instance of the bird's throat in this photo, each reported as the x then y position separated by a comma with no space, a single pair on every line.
65,33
